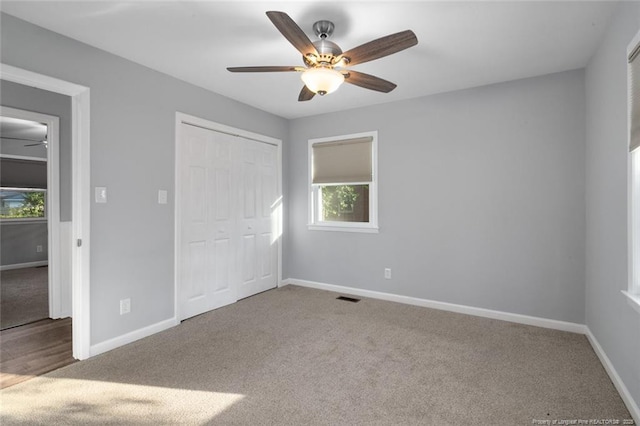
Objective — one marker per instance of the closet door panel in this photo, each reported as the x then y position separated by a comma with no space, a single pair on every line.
229,223
207,222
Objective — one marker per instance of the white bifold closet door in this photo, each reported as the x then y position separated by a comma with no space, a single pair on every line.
228,190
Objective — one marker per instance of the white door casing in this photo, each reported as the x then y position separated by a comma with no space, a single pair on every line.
81,167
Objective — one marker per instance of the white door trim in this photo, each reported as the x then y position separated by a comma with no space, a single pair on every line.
182,118
81,168
53,199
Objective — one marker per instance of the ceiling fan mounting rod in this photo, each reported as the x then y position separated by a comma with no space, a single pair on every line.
323,29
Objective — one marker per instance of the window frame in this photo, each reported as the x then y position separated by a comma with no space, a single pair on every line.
315,202
633,195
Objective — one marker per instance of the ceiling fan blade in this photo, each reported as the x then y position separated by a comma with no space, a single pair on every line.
305,94
292,32
265,69
381,47
369,81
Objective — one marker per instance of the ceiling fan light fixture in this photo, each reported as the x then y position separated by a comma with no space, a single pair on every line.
322,80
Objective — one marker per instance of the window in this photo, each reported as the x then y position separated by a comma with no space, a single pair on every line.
343,183
634,171
22,203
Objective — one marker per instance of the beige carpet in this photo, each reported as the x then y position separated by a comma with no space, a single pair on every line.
24,296
298,356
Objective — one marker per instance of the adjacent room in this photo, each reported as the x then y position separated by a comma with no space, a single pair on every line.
24,236
320,213
35,318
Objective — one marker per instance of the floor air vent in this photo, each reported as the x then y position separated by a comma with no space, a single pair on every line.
348,299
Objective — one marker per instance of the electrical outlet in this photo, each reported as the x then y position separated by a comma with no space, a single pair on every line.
38,249
387,273
125,306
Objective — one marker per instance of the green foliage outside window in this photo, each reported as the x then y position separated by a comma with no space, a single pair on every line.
22,204
340,201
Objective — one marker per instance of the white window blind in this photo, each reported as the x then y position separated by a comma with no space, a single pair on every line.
344,161
634,93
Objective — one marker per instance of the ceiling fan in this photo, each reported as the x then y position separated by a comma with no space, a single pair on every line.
326,64
37,141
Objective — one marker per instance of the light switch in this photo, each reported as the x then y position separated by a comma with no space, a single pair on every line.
162,196
101,194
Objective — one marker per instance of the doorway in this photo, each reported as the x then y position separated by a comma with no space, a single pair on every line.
80,226
32,287
35,287
228,215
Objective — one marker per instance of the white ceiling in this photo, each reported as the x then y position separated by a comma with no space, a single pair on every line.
31,131
460,44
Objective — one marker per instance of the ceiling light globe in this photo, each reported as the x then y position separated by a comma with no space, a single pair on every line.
322,80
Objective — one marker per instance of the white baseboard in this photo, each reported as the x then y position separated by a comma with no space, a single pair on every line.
444,306
24,265
632,406
132,336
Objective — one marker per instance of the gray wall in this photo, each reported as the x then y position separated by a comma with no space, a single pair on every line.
31,99
19,241
132,154
481,196
609,317
10,147
21,173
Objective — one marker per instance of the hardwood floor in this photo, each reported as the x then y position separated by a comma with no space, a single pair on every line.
33,349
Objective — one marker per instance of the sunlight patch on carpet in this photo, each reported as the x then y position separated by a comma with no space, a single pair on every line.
96,402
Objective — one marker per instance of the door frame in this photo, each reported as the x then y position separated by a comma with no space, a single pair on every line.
182,118
80,195
52,207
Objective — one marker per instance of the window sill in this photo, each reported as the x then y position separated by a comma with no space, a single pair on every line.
337,228
633,300
21,221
